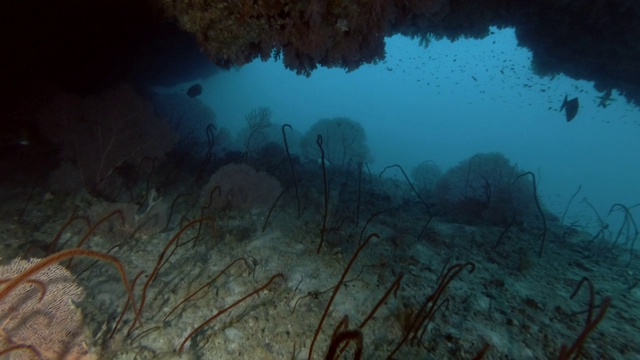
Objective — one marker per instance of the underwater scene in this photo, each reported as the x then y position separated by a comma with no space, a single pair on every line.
446,196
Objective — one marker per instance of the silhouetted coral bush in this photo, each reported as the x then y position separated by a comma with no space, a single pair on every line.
343,140
483,188
101,133
255,136
425,176
241,187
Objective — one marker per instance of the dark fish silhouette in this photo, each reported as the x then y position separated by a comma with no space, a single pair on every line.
605,99
570,107
194,90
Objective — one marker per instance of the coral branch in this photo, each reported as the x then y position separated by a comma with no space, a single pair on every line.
221,312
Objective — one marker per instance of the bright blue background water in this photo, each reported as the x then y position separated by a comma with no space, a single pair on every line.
451,100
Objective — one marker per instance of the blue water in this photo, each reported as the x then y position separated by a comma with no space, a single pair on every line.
449,101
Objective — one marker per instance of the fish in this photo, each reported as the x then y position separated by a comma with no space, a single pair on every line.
22,136
605,99
194,90
570,107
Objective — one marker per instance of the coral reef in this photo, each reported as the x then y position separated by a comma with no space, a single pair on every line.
41,313
485,188
591,40
214,284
